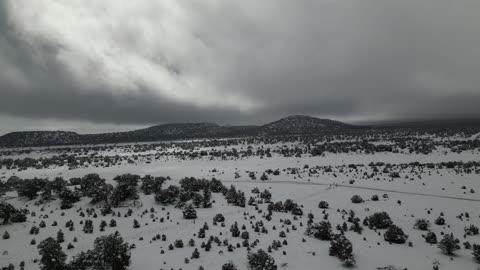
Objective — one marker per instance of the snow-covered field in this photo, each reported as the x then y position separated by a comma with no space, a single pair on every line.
416,192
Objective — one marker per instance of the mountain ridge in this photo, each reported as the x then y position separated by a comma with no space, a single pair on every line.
295,124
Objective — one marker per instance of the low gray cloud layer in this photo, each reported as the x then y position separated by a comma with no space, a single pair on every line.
143,62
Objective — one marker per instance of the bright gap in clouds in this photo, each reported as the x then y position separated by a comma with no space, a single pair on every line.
126,46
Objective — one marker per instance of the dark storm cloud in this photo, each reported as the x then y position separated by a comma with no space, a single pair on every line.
238,61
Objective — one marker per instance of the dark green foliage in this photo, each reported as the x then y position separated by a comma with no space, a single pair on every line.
431,238
127,179
218,218
68,198
356,199
395,235
167,196
82,261
440,221
30,187
109,253
266,195
6,211
178,243
449,244
379,220
189,212
52,255
476,252
90,184
113,223
88,226
216,186
229,266
136,224
342,248
322,230
152,184
57,185
60,237
102,193
261,261
422,224
195,254
125,190
194,185
234,230
471,230
207,196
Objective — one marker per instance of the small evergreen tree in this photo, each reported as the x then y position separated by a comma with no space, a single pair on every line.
449,244
234,230
195,254
207,196
431,238
136,224
60,237
395,235
422,224
88,226
189,213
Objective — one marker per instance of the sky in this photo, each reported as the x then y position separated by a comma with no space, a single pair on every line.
92,66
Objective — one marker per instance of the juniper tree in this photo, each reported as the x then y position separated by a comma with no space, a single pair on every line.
207,196
60,237
6,211
395,235
422,224
229,266
476,252
110,252
379,220
190,213
431,238
322,230
88,226
260,260
52,255
342,248
449,244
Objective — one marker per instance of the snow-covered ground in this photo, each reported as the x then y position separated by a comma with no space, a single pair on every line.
416,193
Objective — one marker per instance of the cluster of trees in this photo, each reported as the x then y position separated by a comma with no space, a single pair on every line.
197,192
8,213
342,248
288,206
109,252
90,185
261,260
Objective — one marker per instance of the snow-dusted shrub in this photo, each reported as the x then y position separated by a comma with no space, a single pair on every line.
395,235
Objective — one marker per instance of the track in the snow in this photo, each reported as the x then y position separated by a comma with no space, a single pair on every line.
350,186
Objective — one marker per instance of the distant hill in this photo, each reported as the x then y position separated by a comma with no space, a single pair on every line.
301,124
297,124
37,138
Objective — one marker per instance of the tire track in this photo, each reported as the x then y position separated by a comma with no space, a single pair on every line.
289,182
